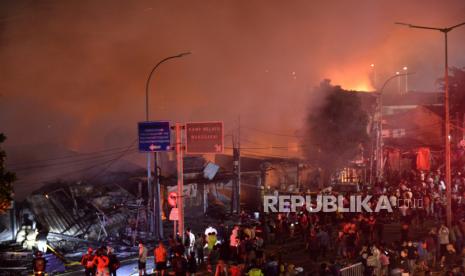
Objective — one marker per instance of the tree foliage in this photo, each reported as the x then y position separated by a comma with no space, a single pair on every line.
336,129
6,180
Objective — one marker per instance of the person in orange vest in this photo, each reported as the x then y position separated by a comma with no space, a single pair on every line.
39,264
88,262
160,255
101,262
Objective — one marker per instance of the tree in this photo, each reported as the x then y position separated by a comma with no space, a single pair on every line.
336,129
6,180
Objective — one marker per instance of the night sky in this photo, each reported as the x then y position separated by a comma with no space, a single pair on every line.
73,73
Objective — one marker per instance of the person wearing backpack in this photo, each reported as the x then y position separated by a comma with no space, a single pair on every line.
87,261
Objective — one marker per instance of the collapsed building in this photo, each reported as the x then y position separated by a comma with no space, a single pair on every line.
65,218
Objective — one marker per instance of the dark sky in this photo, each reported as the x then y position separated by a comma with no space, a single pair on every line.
73,73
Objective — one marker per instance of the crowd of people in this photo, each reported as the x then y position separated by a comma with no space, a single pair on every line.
418,200
330,241
103,263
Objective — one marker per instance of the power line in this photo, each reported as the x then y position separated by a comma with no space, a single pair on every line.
56,177
66,163
111,163
66,156
259,154
271,133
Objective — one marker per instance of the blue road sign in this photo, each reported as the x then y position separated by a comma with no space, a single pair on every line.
154,136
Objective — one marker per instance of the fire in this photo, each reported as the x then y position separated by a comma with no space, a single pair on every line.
363,87
359,78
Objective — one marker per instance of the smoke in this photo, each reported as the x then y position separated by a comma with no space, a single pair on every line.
73,72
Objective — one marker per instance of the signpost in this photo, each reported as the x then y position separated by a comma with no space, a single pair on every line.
200,138
154,136
204,137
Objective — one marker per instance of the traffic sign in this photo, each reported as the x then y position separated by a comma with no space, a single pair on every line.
204,137
154,136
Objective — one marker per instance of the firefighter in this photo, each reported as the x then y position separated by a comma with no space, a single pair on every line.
38,264
88,262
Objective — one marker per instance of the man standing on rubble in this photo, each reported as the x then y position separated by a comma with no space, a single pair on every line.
88,262
142,259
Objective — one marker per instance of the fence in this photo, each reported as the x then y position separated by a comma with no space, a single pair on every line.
353,270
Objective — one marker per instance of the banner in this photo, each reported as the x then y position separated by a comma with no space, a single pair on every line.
423,159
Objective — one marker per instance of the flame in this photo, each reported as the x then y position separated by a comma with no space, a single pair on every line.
362,87
353,77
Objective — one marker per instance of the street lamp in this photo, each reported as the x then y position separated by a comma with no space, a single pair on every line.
379,134
406,79
374,73
445,31
155,218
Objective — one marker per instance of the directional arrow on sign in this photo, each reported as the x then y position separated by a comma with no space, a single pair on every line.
152,147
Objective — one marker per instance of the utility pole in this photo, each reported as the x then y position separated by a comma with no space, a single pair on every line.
445,31
180,167
235,200
236,185
158,225
238,197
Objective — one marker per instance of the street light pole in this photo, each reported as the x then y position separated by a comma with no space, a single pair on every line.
379,138
154,219
406,79
445,31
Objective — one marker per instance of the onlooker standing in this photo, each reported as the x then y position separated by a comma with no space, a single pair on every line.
191,264
199,247
189,242
443,237
142,259
161,256
448,260
114,262
179,264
